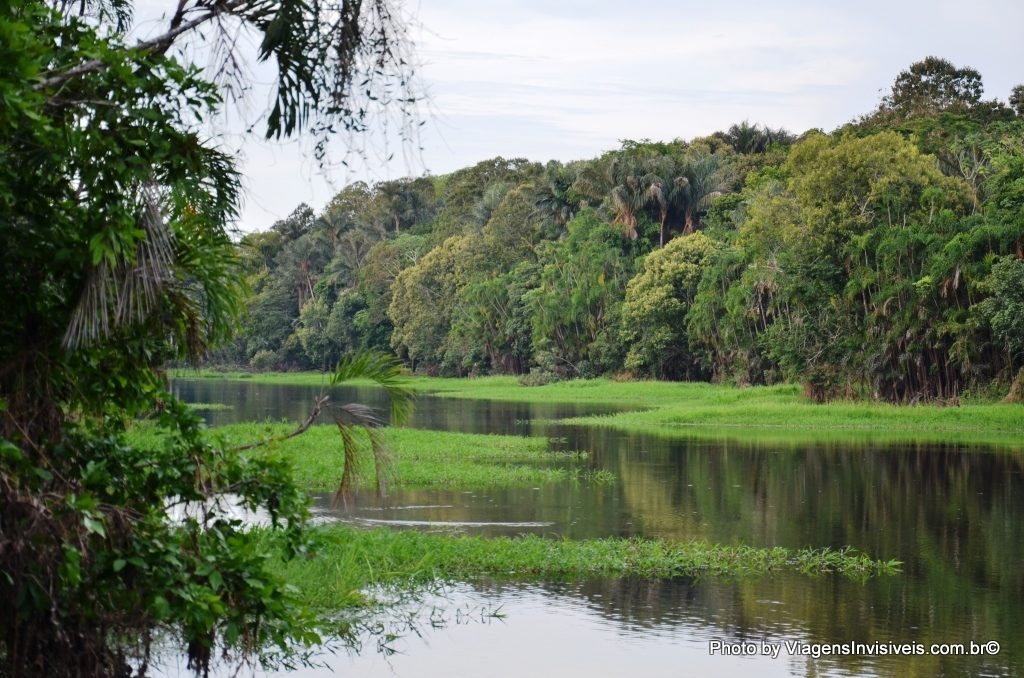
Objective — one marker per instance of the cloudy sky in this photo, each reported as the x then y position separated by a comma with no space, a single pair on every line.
567,79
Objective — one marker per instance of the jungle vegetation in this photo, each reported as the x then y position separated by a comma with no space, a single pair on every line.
885,257
115,211
882,260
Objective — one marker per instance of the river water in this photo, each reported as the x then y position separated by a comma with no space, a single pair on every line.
953,514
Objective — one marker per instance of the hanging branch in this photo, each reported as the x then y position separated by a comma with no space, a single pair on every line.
161,42
321,401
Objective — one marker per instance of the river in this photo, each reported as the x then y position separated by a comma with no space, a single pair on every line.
953,514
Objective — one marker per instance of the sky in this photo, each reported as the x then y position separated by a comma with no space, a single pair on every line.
569,79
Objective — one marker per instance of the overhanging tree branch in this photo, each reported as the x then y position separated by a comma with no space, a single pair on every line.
161,42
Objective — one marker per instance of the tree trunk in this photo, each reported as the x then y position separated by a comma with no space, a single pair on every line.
1016,394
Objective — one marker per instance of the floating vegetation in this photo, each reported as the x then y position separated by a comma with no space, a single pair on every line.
348,561
208,407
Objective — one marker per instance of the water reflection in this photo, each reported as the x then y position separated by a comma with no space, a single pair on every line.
953,514
258,402
633,627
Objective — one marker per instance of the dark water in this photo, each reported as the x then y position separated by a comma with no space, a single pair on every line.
953,515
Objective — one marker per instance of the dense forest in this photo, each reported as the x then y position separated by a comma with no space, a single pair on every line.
884,259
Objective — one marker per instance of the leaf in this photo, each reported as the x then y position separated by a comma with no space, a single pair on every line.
216,581
94,526
161,608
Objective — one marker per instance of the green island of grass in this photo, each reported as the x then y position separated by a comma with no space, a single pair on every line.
421,459
348,562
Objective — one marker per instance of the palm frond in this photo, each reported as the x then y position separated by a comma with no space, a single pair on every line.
350,472
383,466
125,292
361,415
386,372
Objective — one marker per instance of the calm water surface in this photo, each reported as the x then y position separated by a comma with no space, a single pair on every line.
953,515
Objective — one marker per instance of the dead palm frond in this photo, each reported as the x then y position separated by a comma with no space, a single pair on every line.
119,293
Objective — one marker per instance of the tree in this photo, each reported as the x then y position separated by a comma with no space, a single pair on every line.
552,195
748,139
464,190
118,207
1017,100
933,85
386,372
657,302
424,301
347,211
297,224
406,201
575,307
672,189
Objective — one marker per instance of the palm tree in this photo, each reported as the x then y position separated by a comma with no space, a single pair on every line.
628,198
679,189
405,201
668,190
747,139
386,371
707,177
351,418
551,197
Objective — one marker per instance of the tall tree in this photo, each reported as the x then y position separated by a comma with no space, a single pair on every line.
933,85
656,304
1017,100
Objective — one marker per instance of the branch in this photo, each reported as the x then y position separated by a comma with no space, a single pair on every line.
162,41
320,402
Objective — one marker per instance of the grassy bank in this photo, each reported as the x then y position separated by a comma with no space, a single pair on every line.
348,561
771,414
420,459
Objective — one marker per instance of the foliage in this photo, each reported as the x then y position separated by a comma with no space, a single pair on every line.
1005,308
1017,99
119,208
386,372
934,85
857,263
387,557
423,303
656,303
575,307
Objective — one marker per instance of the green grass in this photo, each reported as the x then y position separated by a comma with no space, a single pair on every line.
775,416
347,562
771,414
421,459
209,407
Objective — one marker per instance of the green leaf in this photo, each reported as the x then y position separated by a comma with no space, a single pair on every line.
94,526
161,608
216,581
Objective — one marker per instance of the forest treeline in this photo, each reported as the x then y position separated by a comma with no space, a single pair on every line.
884,259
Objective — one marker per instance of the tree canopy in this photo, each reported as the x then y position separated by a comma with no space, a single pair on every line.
856,262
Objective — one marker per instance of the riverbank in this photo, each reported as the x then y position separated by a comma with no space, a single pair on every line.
775,414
